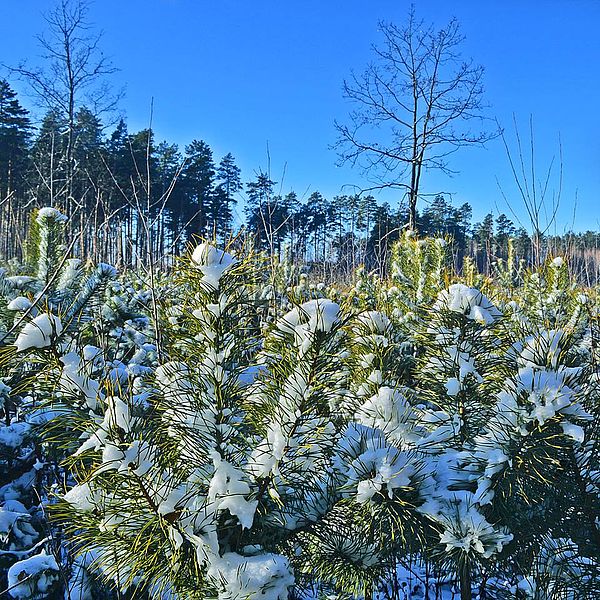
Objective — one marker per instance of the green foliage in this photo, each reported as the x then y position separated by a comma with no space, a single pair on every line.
411,430
418,269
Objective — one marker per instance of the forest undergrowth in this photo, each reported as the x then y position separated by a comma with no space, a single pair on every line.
232,429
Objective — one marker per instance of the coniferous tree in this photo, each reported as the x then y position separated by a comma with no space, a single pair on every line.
348,214
89,179
198,179
117,153
118,209
415,427
484,234
15,133
263,212
229,184
434,217
48,173
320,214
300,228
169,191
384,233
133,191
57,298
504,231
461,224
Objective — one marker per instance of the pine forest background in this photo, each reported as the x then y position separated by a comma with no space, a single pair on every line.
131,197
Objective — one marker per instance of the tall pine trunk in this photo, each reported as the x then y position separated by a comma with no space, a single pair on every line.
464,576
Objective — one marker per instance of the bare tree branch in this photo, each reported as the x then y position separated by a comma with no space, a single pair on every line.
417,96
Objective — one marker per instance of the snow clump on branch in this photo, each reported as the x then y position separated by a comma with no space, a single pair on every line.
265,576
50,213
212,262
304,321
39,332
32,577
20,303
468,301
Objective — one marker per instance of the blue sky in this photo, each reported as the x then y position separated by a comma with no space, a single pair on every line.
249,75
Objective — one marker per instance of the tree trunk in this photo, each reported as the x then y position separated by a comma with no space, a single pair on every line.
465,580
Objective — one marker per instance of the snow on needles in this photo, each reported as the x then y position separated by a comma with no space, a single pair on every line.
469,302
304,321
264,576
39,332
33,576
82,497
212,262
20,303
50,213
228,488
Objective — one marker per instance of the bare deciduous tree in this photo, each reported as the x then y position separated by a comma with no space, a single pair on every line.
73,73
541,202
414,106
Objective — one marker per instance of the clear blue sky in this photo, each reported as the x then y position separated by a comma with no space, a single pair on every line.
245,74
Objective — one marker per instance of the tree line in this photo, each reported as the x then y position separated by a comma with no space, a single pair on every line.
127,193
134,200
118,188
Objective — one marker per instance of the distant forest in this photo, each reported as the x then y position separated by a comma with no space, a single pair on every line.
130,197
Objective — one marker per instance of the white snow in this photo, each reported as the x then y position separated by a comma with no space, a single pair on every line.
50,213
20,281
75,379
106,270
227,489
260,577
452,386
374,321
321,315
82,497
304,321
118,413
267,454
70,273
139,457
39,333
16,530
467,530
33,576
370,466
469,302
212,262
389,411
12,436
20,303
575,432
548,394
